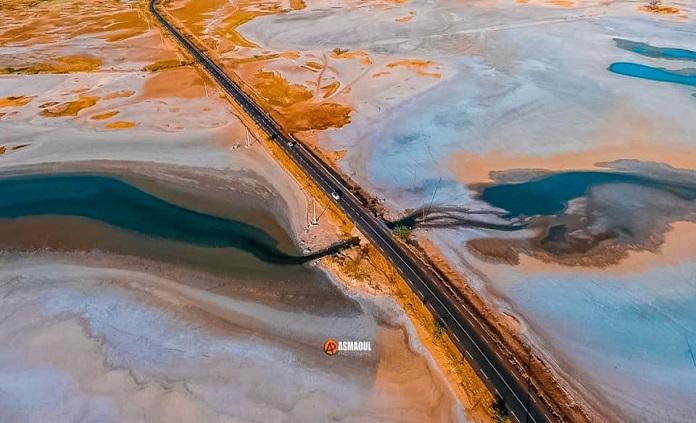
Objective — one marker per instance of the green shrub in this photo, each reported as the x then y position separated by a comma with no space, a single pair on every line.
402,232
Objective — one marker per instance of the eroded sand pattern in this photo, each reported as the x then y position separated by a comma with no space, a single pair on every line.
99,323
83,343
514,91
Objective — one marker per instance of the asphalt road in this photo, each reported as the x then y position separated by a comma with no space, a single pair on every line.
477,348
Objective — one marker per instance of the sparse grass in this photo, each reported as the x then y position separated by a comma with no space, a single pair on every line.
402,232
62,65
438,329
656,6
318,117
164,64
354,268
278,91
500,412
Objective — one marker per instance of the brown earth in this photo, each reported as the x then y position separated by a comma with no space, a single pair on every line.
675,247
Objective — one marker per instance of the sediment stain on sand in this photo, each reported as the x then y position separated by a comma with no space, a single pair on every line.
121,124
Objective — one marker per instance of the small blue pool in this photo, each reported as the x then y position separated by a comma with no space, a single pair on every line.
683,76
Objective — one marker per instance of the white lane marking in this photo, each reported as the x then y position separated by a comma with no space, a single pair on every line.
484,374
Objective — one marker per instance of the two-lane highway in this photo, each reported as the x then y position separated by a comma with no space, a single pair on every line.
499,375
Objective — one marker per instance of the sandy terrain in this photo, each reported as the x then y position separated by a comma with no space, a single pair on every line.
93,86
444,96
112,343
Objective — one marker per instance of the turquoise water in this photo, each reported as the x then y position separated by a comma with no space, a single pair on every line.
669,53
684,77
656,52
118,204
549,195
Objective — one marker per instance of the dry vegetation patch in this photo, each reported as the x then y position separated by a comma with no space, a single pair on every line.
165,64
61,65
105,116
16,101
419,66
119,94
338,53
277,91
70,108
121,124
317,116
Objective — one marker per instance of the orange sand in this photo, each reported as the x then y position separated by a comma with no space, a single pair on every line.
297,4
278,91
406,18
121,124
70,108
314,65
163,64
364,57
661,10
188,82
16,101
119,94
61,65
194,14
419,66
330,88
105,116
562,3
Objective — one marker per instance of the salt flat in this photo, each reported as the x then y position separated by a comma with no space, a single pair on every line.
526,88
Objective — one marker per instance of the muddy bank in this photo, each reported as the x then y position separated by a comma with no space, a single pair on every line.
587,218
137,318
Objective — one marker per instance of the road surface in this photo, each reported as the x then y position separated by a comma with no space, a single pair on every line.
478,349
